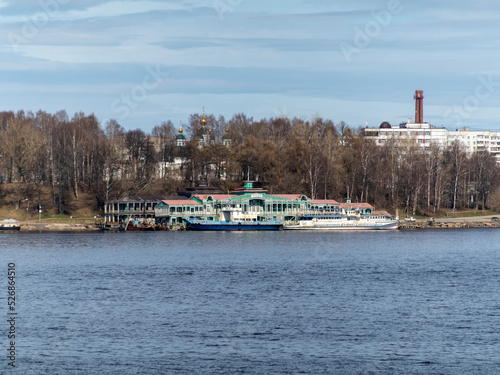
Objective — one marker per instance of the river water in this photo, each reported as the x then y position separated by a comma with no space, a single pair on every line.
397,302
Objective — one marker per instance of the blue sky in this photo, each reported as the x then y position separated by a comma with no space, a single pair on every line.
144,62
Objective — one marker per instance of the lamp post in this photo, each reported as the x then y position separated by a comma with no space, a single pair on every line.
39,213
27,209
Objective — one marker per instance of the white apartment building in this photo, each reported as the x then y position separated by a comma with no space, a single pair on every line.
477,140
425,134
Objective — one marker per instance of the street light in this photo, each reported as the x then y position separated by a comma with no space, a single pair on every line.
39,213
27,209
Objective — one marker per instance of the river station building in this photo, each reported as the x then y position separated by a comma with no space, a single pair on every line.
205,203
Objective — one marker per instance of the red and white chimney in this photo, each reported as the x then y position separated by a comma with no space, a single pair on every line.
419,106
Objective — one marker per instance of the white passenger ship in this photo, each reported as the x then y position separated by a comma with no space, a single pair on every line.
349,218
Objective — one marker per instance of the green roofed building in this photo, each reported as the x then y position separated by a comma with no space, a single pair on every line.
250,199
205,202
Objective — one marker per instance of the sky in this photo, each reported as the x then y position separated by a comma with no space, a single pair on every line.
357,61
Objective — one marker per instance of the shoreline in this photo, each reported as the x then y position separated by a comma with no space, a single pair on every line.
459,223
449,224
58,227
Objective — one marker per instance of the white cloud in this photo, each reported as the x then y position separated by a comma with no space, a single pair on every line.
428,46
63,12
120,8
149,54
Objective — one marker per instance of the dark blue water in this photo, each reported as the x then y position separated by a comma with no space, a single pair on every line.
405,302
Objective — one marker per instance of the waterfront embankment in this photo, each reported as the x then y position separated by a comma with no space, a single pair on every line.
59,227
451,223
447,223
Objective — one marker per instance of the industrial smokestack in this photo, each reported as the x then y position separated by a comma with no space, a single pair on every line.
419,106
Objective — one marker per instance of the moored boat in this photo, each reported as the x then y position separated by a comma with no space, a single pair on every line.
234,219
143,225
341,221
10,224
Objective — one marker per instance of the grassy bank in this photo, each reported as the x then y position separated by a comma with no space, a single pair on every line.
450,214
21,202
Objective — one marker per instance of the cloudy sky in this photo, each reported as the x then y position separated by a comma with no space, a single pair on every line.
358,61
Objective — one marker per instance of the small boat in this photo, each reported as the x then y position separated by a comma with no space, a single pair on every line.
340,221
143,225
234,219
109,227
10,224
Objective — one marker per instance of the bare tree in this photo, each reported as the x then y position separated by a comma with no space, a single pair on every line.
458,162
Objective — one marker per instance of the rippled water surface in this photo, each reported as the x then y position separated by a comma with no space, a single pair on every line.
404,302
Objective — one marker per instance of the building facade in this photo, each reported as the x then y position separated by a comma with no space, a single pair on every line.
248,198
206,203
424,135
138,207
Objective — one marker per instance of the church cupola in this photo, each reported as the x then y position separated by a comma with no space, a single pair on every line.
203,133
181,139
203,121
226,139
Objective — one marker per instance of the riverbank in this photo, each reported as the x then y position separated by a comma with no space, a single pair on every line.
59,227
457,223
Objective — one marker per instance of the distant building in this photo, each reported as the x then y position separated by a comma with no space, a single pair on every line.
424,135
180,140
477,140
226,138
204,134
421,134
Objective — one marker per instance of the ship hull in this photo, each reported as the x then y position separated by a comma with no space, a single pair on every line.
393,225
219,226
17,227
10,225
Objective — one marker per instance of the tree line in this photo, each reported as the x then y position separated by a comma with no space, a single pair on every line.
75,155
